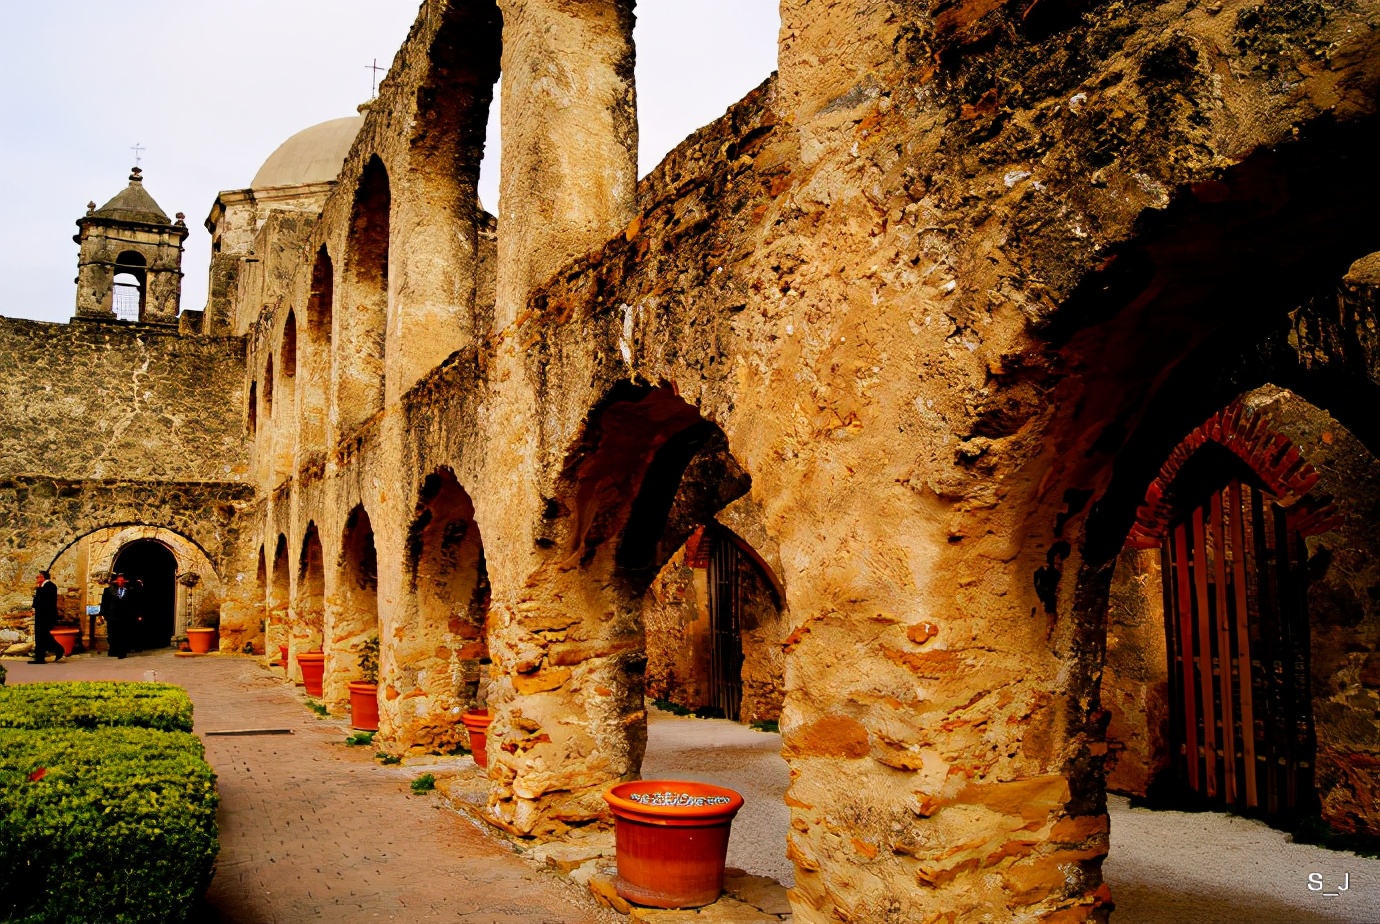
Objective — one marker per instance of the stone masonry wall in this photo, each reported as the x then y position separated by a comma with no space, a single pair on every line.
86,400
928,285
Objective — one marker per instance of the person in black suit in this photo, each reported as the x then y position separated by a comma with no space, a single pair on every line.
45,617
117,608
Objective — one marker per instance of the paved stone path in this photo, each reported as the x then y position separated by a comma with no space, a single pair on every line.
313,830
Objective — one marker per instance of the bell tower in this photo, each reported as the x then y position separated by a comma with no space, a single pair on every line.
130,264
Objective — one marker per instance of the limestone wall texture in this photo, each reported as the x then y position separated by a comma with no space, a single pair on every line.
86,400
114,425
920,319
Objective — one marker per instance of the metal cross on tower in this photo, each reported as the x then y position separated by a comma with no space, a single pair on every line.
374,77
137,149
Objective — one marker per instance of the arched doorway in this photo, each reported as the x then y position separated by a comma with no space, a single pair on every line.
151,568
1235,588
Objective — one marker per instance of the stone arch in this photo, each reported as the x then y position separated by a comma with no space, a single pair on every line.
352,612
287,346
83,566
1204,303
360,333
442,294
130,272
1316,468
437,655
268,387
279,598
316,360
647,471
307,616
1247,435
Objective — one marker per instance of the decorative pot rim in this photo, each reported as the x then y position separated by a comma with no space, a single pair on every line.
359,686
311,655
476,718
191,629
65,629
694,802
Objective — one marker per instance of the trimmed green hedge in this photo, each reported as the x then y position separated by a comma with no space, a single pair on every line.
161,706
118,828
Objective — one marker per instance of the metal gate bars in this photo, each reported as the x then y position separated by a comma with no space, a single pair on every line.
726,647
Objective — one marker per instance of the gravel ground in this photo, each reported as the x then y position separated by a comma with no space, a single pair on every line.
1163,866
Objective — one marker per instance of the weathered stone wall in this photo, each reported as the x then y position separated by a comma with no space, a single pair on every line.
675,619
1135,683
950,289
87,400
114,425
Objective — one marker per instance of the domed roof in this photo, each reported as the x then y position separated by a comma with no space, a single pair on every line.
133,203
313,155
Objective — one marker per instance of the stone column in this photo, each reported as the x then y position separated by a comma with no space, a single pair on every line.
569,138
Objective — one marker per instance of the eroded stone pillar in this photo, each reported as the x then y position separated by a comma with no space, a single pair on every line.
436,204
569,178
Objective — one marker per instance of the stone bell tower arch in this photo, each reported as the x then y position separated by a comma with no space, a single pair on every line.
130,264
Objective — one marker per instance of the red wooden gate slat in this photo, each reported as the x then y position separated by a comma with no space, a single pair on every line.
1203,627
1184,620
1221,664
1243,643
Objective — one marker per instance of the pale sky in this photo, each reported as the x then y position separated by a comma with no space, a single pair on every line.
211,87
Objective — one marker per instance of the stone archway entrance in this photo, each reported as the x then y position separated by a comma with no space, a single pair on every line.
151,568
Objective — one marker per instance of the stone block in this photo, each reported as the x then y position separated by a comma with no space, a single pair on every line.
566,857
761,892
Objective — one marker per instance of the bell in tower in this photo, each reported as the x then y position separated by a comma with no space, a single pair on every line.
130,264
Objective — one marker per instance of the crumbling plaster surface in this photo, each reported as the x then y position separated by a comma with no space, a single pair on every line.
872,275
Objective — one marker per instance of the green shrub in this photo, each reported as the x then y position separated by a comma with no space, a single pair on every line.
87,704
424,783
387,759
360,737
318,707
110,825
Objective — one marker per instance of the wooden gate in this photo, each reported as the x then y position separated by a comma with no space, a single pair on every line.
726,646
1236,621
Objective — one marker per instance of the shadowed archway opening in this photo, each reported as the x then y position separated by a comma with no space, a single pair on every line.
354,619
443,654
307,616
151,570
275,630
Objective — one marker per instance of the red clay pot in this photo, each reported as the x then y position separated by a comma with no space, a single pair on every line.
67,638
477,723
282,656
313,665
672,838
201,641
364,705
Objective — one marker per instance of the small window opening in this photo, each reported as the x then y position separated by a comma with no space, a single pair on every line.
127,293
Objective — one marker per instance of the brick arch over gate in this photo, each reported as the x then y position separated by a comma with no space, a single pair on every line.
1271,455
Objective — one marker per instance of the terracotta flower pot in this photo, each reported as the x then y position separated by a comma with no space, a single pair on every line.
672,838
313,665
282,656
201,641
67,638
364,705
477,723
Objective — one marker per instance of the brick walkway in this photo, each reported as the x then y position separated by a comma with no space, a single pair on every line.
313,830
